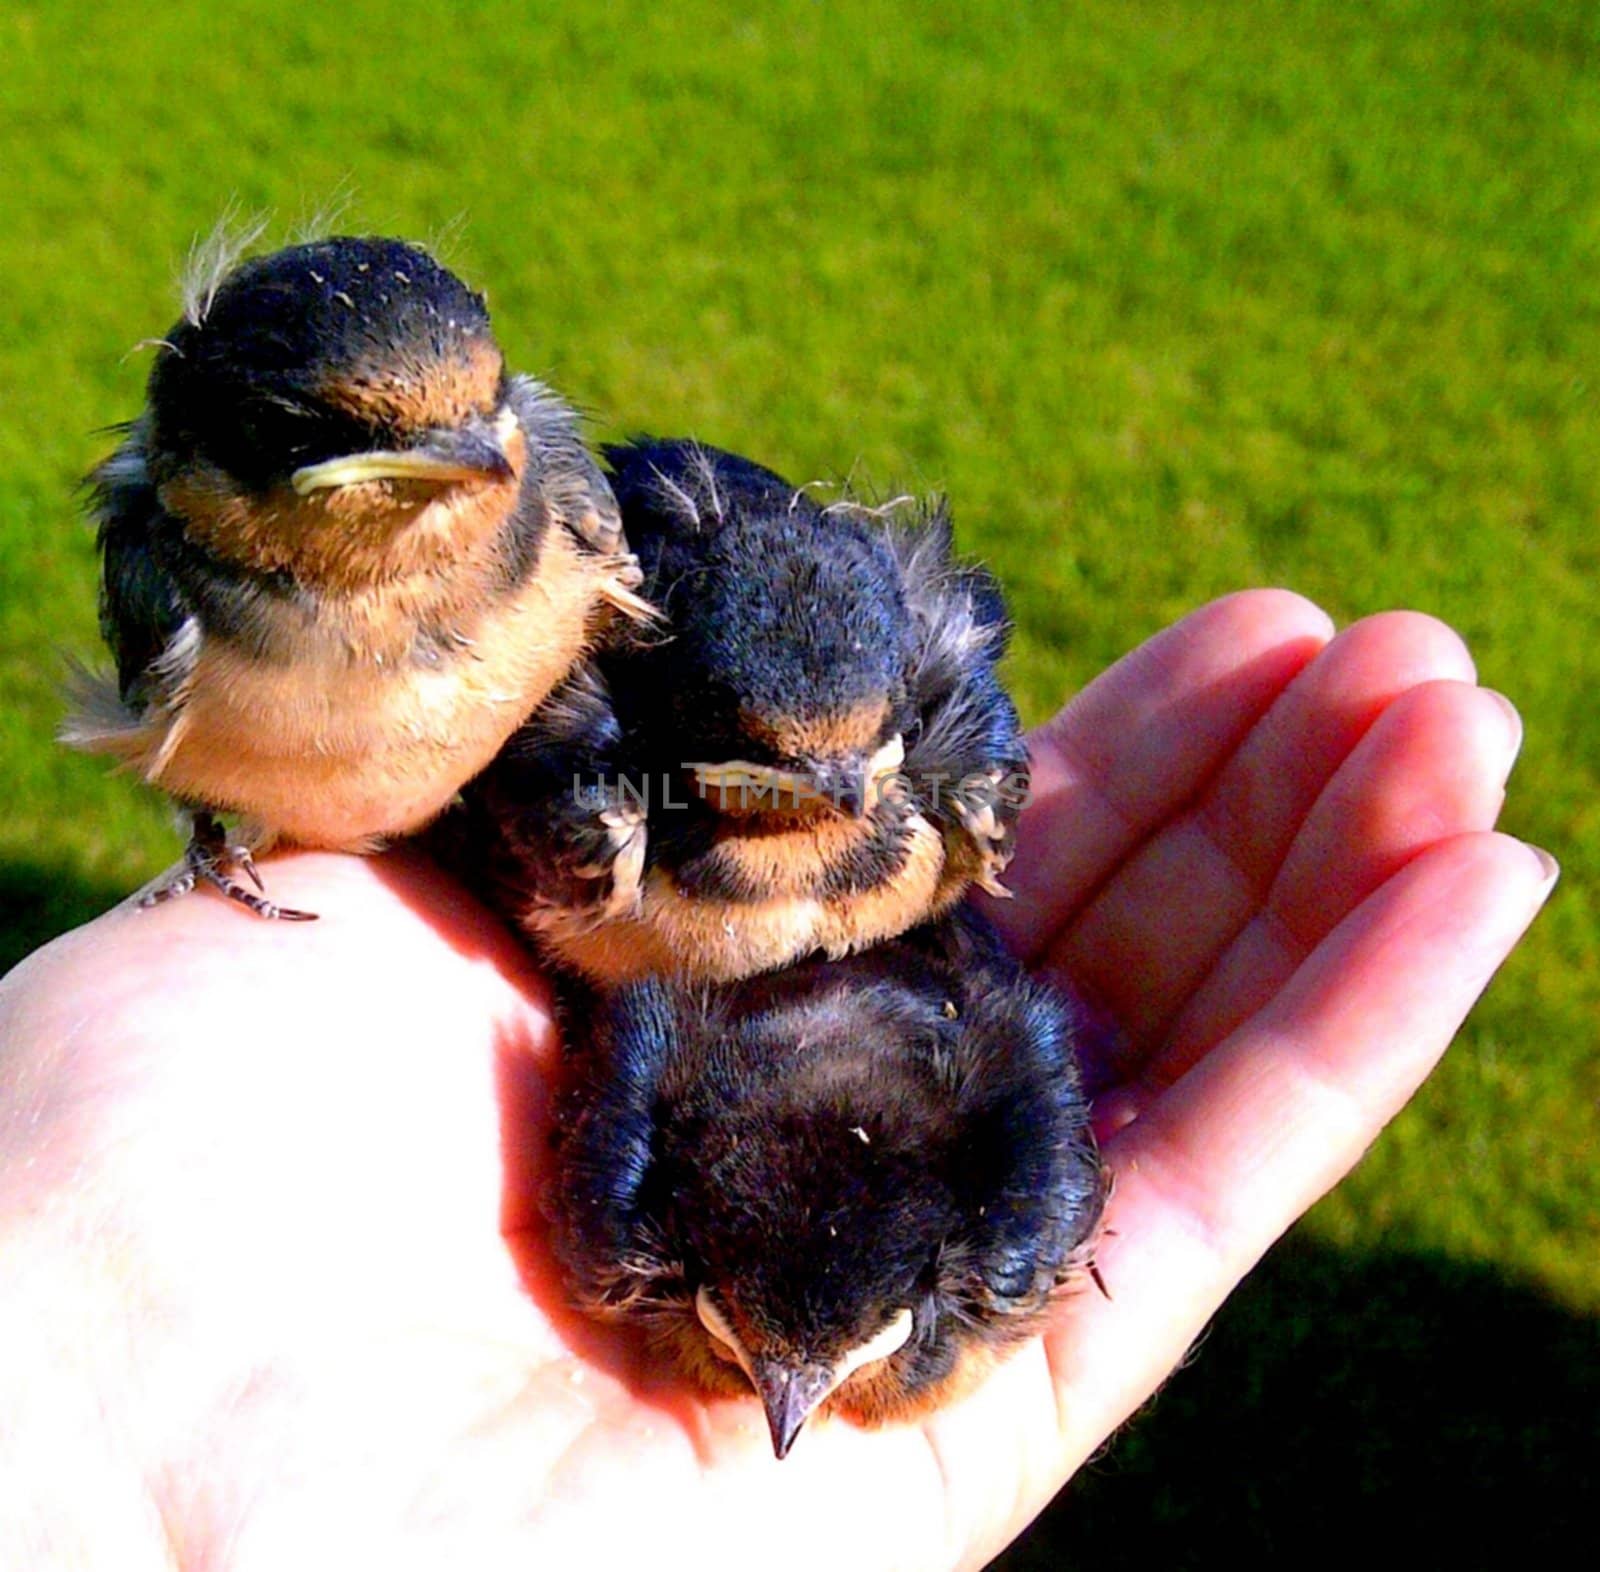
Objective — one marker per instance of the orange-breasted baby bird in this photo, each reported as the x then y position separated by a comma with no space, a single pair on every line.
851,1185
811,753
345,555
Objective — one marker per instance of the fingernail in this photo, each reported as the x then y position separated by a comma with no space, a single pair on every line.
1513,724
1548,866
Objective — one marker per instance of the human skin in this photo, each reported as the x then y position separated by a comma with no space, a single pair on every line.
276,1290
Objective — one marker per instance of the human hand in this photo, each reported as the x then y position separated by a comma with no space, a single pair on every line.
276,1286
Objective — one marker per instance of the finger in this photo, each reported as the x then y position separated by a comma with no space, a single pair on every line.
1139,741
1221,1163
1434,766
1158,927
1254,810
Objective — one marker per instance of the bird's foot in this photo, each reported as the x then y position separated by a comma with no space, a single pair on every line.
618,863
990,827
208,859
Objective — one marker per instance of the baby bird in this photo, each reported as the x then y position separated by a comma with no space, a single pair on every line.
812,753
345,555
851,1185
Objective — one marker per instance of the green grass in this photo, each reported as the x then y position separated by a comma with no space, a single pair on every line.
1170,298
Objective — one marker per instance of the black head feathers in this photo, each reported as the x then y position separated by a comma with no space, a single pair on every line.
319,350
848,1183
811,752
791,636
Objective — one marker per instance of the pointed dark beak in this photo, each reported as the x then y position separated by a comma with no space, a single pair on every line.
790,1394
467,451
843,784
476,451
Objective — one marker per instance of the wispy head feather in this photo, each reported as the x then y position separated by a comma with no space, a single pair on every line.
212,257
150,343
321,221
444,240
674,496
701,496
859,509
705,470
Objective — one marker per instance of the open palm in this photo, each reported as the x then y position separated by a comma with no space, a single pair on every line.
277,1291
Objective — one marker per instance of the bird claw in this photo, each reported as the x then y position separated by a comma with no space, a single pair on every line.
619,863
206,860
247,865
994,837
626,833
179,884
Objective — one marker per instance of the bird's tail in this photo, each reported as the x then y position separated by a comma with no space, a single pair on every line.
98,721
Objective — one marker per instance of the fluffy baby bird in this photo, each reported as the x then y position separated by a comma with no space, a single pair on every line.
850,1185
345,555
812,753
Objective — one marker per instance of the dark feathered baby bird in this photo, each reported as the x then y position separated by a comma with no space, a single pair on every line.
345,554
812,752
849,1185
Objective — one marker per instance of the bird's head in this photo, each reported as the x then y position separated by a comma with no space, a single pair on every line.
781,681
816,1228
847,1185
317,400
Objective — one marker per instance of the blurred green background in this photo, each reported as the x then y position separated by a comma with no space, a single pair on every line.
1170,299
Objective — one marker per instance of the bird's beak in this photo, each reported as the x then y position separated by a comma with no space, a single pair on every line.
844,784
790,1394
740,786
475,451
791,1390
852,784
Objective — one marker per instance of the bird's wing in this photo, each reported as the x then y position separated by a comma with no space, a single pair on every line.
968,724
573,482
624,1040
151,630
575,493
549,824
1028,1131
599,523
